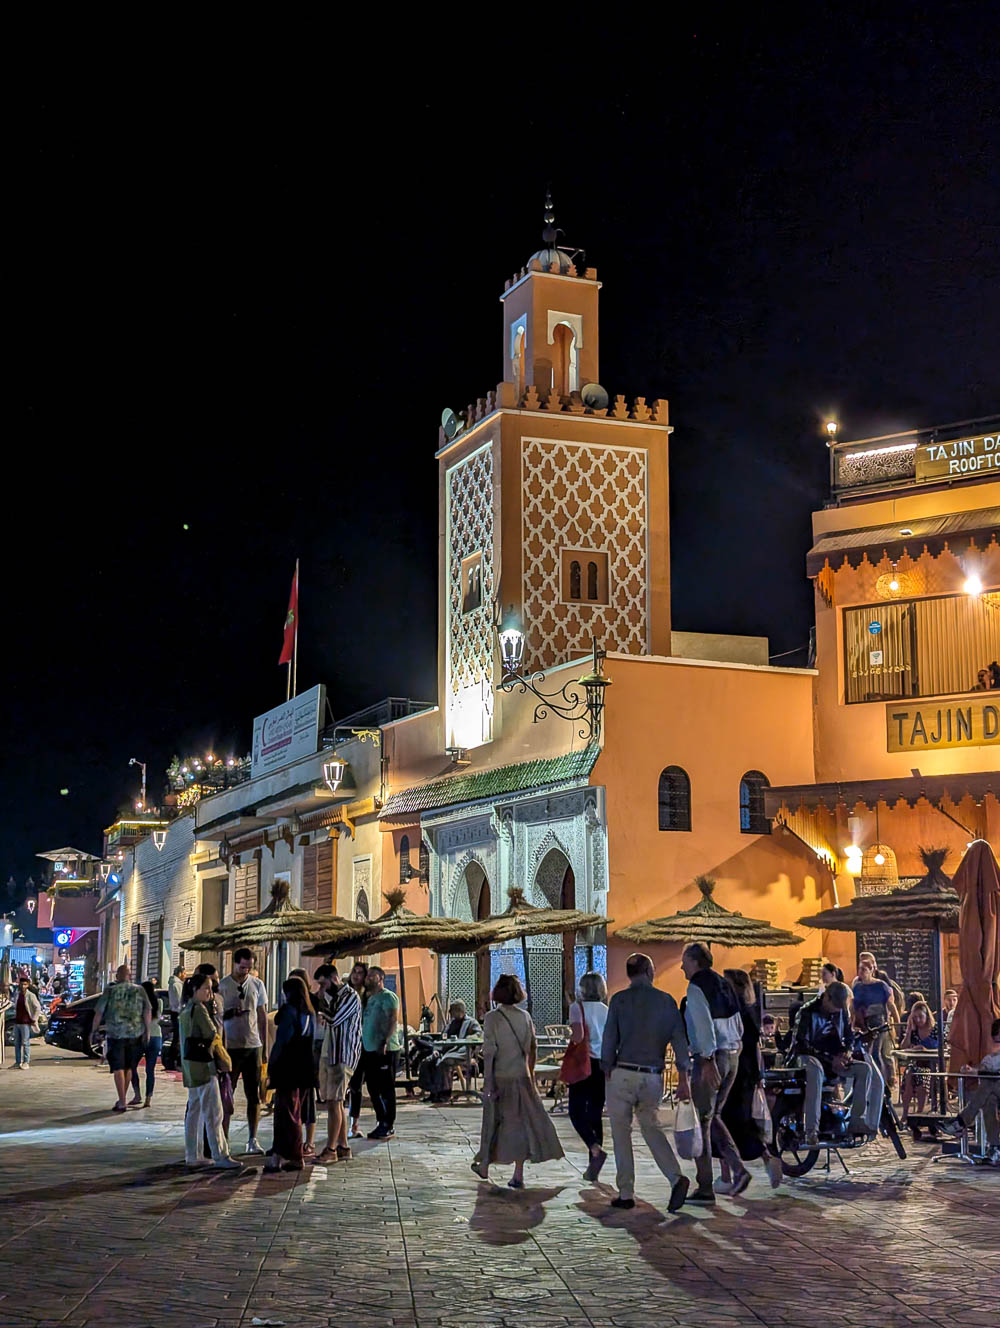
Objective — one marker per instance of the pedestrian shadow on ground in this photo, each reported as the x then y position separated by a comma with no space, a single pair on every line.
507,1217
172,1174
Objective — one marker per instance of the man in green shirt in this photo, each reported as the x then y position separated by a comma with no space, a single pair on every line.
381,1042
126,1014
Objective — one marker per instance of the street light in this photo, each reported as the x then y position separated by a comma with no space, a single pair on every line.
333,773
142,766
579,702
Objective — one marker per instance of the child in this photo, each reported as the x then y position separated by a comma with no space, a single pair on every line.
985,1099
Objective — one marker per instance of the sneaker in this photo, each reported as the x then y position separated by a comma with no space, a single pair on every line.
723,1187
622,1203
379,1132
741,1182
678,1193
227,1164
702,1196
253,1146
812,1139
328,1157
774,1171
953,1128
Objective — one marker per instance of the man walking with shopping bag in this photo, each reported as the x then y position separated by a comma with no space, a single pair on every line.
641,1022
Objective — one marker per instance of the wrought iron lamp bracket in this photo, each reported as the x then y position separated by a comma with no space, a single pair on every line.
580,701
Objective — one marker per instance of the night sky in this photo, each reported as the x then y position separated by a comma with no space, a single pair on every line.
240,302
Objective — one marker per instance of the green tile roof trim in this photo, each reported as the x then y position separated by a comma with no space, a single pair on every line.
492,783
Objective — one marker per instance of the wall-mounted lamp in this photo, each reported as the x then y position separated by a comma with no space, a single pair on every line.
333,773
580,700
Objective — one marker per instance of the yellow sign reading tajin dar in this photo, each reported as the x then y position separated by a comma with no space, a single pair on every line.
914,727
959,456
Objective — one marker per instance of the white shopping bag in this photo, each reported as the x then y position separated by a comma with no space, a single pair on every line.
687,1132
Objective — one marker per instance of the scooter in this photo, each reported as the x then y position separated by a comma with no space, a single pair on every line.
786,1096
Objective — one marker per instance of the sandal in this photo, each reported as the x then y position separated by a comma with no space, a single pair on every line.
328,1156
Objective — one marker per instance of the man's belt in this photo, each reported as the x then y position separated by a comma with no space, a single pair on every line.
641,1069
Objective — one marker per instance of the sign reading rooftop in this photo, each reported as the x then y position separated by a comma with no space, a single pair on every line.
287,732
958,456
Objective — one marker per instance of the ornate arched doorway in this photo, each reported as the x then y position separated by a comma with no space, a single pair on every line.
556,882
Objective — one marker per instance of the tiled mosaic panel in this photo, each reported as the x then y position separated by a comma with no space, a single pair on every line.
470,635
584,497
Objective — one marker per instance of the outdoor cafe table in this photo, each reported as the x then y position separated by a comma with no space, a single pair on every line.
928,1059
981,1149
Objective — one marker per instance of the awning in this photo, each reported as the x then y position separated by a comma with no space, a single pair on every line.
910,788
473,787
931,533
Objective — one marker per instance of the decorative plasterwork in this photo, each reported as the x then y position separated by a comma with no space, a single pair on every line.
469,682
583,496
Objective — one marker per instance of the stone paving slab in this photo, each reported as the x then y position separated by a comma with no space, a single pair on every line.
105,1228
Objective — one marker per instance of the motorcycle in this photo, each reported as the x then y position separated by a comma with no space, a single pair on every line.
786,1095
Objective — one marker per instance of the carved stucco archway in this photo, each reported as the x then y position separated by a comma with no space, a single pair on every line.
549,863
464,892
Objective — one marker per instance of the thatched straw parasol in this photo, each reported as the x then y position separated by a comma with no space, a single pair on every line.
401,929
930,905
709,922
280,921
521,919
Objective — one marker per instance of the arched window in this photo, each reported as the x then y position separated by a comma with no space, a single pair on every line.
753,817
424,862
404,859
675,799
518,359
564,368
592,580
361,907
574,579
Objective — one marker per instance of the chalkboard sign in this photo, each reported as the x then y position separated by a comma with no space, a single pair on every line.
908,958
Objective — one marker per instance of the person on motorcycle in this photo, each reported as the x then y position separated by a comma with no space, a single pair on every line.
823,1042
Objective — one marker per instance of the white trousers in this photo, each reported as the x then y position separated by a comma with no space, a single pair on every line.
204,1110
634,1094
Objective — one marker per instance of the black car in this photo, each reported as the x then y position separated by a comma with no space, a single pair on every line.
70,1027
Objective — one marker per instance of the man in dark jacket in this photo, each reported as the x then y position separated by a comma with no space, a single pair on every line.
823,1044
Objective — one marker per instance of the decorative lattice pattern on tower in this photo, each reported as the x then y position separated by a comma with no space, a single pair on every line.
580,496
470,634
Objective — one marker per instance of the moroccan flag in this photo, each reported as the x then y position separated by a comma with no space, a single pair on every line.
291,619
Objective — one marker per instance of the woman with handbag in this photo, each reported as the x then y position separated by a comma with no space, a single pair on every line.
745,1112
516,1127
581,1068
291,1073
202,1058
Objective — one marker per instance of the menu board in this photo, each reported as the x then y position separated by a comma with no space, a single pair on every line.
908,958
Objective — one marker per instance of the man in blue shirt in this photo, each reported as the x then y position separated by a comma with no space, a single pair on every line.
381,1043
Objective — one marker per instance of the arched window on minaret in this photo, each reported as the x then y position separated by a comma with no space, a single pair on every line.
564,368
574,580
517,358
592,580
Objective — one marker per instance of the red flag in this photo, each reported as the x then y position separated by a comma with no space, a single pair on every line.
291,620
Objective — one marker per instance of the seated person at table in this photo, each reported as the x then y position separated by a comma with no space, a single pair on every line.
920,1035
985,1098
823,1044
437,1070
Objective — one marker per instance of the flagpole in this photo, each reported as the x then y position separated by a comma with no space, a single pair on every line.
295,645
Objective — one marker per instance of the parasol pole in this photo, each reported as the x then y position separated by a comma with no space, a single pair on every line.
527,975
402,1002
939,974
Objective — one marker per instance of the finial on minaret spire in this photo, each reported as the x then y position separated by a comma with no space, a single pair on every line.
549,233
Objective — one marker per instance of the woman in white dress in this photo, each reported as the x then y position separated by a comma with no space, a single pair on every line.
516,1127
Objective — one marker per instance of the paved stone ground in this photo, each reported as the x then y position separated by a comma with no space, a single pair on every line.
102,1228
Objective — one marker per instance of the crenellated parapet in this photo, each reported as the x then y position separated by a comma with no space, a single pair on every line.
558,267
506,397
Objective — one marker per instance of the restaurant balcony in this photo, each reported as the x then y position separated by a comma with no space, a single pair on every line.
963,452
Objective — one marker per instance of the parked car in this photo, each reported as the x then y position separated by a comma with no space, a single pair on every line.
70,1027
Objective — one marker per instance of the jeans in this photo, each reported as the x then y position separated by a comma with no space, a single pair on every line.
204,1109
708,1102
22,1044
866,1094
380,1080
153,1047
634,1092
586,1103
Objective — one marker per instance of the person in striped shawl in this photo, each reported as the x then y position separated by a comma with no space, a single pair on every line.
338,1058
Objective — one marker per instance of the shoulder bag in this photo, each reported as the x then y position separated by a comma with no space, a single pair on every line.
575,1065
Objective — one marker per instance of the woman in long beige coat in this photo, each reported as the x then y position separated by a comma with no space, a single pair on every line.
516,1127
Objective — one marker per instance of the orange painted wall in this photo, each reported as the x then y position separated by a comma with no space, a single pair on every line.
716,722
